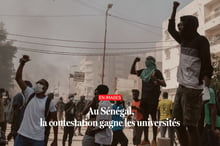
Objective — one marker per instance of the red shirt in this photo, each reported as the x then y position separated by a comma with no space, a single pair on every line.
137,114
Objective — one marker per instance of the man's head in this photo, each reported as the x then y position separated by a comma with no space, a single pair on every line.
150,61
41,86
188,26
28,83
165,95
101,89
71,97
61,98
82,98
135,94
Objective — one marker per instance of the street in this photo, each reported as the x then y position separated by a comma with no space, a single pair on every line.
77,140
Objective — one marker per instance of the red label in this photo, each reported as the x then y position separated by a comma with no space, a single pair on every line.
110,97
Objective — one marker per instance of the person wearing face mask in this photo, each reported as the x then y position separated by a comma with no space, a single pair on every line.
194,71
152,80
31,132
70,111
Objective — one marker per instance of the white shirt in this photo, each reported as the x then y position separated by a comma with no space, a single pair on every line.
105,136
30,125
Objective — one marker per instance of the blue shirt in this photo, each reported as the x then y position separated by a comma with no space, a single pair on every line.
117,118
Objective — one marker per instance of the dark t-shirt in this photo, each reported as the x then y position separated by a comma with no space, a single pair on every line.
18,100
18,108
70,109
150,91
80,106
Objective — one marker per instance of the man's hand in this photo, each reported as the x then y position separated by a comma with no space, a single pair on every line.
137,59
54,143
24,59
176,4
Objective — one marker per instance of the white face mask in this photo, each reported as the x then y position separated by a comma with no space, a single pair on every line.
38,88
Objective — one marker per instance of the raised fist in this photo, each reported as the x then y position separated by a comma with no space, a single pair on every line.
137,59
176,4
24,59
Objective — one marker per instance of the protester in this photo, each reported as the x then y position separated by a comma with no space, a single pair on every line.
47,128
211,131
70,113
165,113
79,108
18,106
135,106
194,67
31,132
4,108
118,135
89,137
152,79
2,119
60,109
7,108
103,137
1,106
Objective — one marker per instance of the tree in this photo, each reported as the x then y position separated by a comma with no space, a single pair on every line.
216,72
7,53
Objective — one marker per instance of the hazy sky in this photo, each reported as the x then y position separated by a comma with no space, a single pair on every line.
78,20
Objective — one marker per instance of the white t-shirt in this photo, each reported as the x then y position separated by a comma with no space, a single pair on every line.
35,110
105,136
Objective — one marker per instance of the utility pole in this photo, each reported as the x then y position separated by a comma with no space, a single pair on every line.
106,23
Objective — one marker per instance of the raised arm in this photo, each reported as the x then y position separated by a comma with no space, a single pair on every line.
133,67
175,6
19,72
172,25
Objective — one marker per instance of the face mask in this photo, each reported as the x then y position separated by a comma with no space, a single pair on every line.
38,88
72,99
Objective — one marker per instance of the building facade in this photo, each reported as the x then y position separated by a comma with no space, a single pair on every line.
115,67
